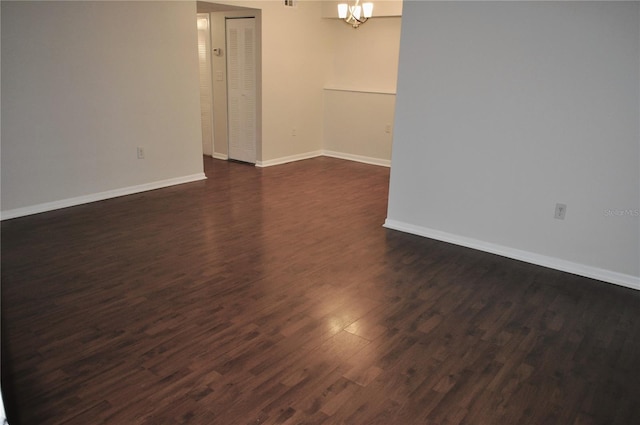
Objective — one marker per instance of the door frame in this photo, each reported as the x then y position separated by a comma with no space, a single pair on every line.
206,87
219,76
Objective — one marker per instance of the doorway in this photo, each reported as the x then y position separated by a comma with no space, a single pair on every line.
240,139
206,83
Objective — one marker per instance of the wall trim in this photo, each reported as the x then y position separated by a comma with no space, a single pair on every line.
358,158
100,196
355,90
333,154
221,156
608,276
286,159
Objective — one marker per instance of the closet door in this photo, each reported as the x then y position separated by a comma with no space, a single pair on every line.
241,88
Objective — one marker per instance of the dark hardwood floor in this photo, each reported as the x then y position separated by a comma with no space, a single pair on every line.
275,296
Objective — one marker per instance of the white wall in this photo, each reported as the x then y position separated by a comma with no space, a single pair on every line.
366,58
84,84
505,109
359,98
359,125
302,54
294,63
294,66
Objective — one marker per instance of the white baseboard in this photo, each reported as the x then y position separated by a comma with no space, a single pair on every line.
221,156
286,159
608,276
65,203
358,158
70,202
332,154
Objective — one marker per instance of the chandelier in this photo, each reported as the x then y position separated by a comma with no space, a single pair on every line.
356,14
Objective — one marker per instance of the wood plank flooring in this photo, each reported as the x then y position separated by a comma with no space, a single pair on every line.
275,296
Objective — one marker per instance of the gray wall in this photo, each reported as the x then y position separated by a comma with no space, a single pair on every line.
84,84
505,109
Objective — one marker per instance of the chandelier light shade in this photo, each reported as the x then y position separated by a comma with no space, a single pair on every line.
356,13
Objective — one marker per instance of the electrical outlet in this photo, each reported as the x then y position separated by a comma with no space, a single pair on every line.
561,210
140,152
294,132
387,128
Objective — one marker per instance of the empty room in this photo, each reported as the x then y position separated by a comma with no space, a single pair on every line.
320,212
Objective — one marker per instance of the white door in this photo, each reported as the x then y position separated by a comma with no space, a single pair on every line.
241,88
